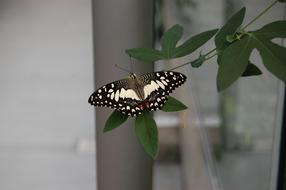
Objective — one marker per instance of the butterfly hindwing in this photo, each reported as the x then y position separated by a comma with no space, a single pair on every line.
158,85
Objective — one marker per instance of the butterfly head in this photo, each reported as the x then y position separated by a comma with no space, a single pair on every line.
133,76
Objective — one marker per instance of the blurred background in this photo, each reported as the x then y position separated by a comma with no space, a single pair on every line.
224,141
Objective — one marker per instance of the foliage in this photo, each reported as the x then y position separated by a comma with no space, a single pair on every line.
234,45
145,126
147,133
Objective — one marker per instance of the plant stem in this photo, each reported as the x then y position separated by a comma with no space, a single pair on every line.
258,16
207,58
194,60
210,52
180,66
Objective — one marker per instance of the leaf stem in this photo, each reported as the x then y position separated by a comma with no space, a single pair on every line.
258,16
180,66
207,58
208,53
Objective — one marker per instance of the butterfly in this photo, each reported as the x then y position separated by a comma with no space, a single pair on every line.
134,94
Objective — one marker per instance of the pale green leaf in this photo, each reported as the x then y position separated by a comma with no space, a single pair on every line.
275,29
173,105
194,43
170,39
273,56
115,120
147,133
234,60
146,54
229,28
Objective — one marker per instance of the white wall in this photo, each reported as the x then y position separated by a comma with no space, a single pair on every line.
46,77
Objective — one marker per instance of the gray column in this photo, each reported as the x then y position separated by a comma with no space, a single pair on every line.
119,25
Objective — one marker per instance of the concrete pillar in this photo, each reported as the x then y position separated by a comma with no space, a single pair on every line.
119,25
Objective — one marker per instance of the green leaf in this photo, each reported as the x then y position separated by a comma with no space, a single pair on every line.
218,58
173,105
282,1
114,121
146,54
273,30
229,28
170,40
273,56
251,70
199,61
147,133
193,43
234,60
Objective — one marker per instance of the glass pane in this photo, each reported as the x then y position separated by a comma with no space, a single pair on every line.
228,138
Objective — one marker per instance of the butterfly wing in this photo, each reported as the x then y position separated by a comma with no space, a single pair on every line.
158,85
118,95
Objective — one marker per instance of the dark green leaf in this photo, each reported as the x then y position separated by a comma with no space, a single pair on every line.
282,1
229,28
147,133
146,54
234,60
273,30
198,62
251,70
170,39
193,43
273,56
173,105
114,121
230,38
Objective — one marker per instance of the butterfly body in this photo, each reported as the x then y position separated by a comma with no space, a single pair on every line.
132,95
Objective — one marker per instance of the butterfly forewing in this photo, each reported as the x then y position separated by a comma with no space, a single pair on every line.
108,95
118,95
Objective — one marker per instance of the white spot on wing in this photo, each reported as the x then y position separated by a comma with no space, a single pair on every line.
128,94
164,82
149,88
116,98
160,84
112,95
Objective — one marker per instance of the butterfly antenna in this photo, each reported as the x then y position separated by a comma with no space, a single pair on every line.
121,68
131,64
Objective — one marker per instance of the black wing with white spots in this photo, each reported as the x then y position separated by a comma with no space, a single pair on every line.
131,96
119,95
108,95
158,85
